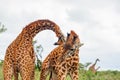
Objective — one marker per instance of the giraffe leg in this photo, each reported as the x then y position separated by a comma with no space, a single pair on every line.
7,70
15,76
15,72
53,76
44,74
32,64
62,74
27,68
45,71
27,74
74,74
33,75
33,72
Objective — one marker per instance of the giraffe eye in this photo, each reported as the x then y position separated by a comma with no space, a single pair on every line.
74,38
71,49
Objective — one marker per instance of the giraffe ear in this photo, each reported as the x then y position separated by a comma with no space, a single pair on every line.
68,34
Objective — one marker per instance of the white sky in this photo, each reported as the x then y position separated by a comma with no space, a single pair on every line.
95,21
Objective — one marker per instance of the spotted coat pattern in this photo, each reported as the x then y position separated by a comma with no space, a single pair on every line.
20,56
63,60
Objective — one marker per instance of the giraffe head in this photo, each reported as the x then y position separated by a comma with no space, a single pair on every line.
97,59
72,41
60,41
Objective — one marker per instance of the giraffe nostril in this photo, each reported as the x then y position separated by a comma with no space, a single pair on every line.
72,49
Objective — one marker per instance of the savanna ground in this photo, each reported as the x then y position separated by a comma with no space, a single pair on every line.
84,75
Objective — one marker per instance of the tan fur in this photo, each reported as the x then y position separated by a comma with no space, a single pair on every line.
20,56
63,60
92,67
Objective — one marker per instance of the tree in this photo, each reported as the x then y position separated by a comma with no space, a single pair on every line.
2,28
38,50
1,62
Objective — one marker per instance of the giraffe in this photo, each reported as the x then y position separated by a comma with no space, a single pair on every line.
63,60
92,67
20,56
97,68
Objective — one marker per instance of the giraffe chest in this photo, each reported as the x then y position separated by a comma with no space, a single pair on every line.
67,64
72,62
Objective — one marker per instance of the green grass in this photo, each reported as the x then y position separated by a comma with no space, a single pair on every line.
101,75
84,75
1,78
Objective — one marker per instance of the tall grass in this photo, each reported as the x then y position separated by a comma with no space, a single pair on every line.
1,75
83,75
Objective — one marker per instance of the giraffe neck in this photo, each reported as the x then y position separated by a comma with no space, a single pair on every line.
95,63
35,27
97,68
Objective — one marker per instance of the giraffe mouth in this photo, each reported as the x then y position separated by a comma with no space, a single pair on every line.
76,47
81,44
